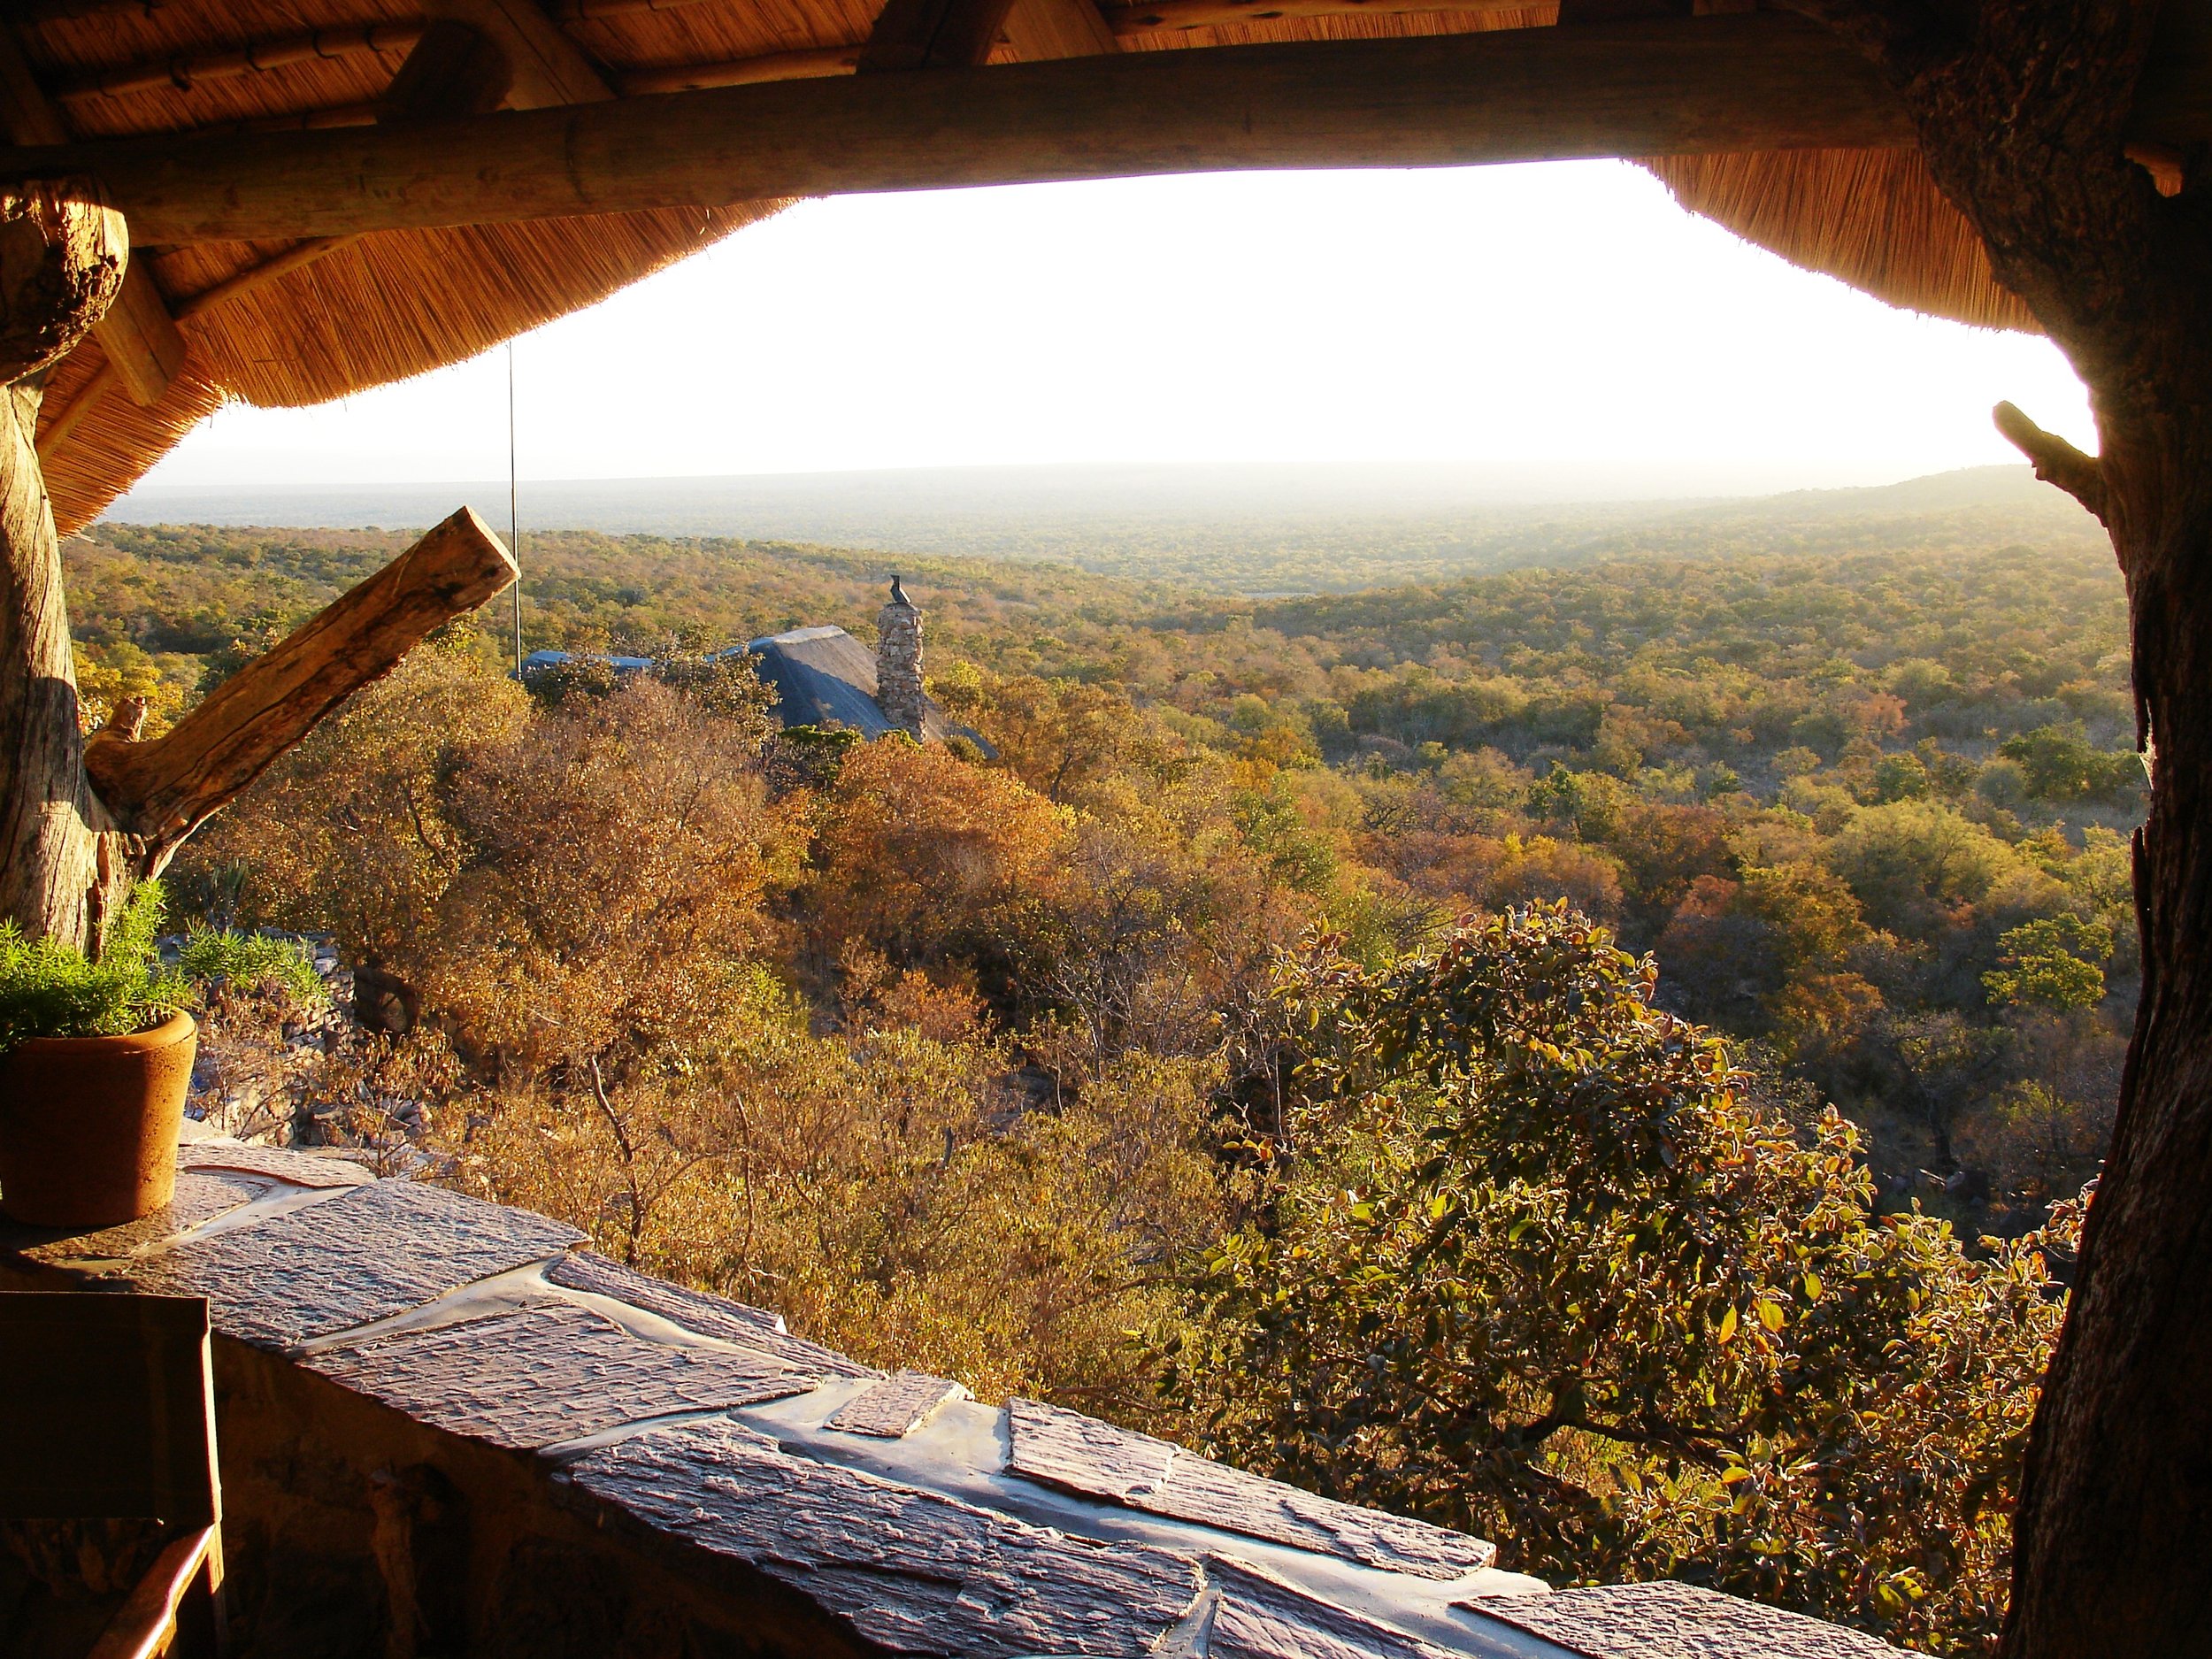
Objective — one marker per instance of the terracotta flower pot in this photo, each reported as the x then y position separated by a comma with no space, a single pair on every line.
88,1124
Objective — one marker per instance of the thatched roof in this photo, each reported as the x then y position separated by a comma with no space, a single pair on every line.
287,323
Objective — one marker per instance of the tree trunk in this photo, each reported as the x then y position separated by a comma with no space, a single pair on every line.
60,267
2113,1552
2022,107
58,869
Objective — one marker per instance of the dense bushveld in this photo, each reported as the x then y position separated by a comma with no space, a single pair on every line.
1166,1064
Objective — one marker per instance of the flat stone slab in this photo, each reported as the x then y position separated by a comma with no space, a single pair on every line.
1257,1617
1677,1620
299,1169
894,1408
716,1317
910,1570
535,1377
1096,1460
201,1195
359,1256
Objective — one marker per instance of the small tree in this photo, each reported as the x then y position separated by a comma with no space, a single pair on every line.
1543,1271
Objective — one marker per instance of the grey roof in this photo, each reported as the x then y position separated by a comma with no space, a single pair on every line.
825,677
820,676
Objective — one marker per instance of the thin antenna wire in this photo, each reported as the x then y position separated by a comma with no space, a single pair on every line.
514,515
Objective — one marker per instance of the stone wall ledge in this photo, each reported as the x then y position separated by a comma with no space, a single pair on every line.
449,1428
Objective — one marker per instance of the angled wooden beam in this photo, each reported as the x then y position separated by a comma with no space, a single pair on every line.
933,35
163,790
453,69
1764,81
138,335
550,68
1040,31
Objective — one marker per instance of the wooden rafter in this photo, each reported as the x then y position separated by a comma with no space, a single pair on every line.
1719,84
189,69
740,71
1172,17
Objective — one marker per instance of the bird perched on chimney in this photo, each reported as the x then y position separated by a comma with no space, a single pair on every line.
898,593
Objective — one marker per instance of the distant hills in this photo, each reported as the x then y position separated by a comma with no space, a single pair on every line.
1254,529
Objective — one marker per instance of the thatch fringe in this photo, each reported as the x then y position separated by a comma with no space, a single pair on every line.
111,440
327,321
391,306
1873,217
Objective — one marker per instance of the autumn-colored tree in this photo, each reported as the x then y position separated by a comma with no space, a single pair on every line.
929,858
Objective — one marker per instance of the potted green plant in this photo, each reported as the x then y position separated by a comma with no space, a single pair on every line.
95,1061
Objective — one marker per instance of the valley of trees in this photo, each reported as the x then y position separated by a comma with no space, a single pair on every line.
1604,1055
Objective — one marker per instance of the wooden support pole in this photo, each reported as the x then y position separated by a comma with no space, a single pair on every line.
1762,82
162,790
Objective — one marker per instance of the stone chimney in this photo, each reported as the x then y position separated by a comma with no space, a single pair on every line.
899,661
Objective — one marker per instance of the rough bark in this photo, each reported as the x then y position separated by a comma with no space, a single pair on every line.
2021,106
60,266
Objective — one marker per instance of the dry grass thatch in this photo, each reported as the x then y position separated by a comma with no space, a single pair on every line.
343,317
1873,217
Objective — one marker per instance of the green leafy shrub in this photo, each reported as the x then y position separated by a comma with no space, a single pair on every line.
1529,1260
251,962
51,989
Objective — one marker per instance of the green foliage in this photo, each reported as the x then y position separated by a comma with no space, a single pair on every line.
2058,764
51,989
1539,1267
2054,963
251,962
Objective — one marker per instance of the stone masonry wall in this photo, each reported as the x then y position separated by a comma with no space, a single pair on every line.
899,663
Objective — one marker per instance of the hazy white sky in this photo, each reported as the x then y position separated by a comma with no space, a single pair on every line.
1554,313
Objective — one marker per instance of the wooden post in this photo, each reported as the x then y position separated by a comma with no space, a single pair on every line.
61,263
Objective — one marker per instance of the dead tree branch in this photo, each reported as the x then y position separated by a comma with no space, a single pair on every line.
2056,460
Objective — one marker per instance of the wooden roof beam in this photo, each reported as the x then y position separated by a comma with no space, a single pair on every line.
1762,82
185,70
1039,31
138,335
1176,17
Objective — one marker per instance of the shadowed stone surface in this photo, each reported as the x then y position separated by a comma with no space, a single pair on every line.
201,1195
539,1375
1677,1620
912,1571
1096,1460
359,1255
1257,1616
896,1406
694,1309
300,1169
